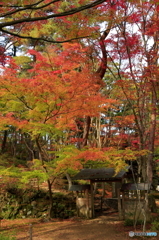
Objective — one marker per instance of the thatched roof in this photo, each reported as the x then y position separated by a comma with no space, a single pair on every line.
102,174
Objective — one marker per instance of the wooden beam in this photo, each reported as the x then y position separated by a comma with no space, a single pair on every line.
102,180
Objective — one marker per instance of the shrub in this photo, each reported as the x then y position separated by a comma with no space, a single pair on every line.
155,225
130,222
6,237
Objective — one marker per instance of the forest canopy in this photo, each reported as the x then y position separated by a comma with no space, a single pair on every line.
79,85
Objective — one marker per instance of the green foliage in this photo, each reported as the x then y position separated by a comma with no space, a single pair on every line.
6,160
155,225
130,222
45,95
12,171
63,206
6,237
30,202
22,60
40,175
13,105
59,195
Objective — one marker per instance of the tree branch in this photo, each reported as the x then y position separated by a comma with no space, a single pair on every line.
103,66
15,6
42,39
28,7
66,13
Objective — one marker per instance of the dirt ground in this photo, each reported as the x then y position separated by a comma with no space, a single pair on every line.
100,228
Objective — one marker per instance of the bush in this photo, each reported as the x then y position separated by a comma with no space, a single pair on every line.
24,203
155,225
6,237
130,222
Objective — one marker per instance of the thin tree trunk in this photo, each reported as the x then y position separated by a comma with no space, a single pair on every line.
48,181
50,198
99,74
86,131
3,148
69,180
152,137
28,147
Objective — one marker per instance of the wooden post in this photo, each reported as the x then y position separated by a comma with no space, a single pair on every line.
92,200
102,197
123,204
119,205
103,189
101,203
115,186
31,232
77,205
87,203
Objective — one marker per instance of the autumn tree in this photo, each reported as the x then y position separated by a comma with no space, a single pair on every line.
16,17
45,99
132,52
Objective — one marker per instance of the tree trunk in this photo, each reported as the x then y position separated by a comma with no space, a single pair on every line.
69,180
152,136
50,198
99,74
86,131
48,181
3,148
